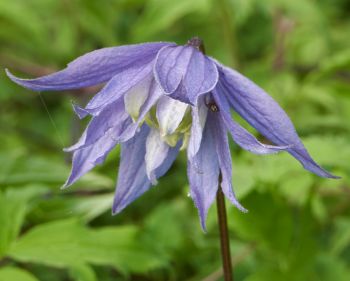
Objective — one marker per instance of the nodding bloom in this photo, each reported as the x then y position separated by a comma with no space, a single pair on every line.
160,98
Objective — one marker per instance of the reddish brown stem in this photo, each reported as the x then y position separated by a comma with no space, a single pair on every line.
224,237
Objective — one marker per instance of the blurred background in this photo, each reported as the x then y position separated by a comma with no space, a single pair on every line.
298,227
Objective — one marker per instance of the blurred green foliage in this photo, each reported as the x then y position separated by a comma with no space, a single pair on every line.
298,227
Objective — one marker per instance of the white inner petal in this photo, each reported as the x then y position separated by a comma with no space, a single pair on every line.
156,152
202,114
170,113
199,117
136,97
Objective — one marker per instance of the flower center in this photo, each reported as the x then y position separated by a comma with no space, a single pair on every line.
182,131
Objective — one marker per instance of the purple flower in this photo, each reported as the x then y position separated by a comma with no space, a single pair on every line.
160,98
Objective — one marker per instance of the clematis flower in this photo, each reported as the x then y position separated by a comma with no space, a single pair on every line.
160,98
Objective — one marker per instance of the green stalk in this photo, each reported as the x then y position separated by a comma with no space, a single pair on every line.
230,35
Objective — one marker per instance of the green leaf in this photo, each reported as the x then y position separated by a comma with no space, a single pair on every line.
82,272
329,150
10,273
19,169
243,179
318,208
13,206
329,268
337,62
273,168
165,225
35,169
341,236
68,242
85,207
297,188
265,274
243,9
269,221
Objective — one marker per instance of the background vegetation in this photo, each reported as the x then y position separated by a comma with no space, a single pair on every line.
298,227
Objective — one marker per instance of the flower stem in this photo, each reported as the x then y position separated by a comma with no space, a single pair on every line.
224,238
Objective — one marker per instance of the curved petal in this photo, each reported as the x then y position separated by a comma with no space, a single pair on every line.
88,157
78,144
132,178
135,98
170,113
265,115
224,157
199,117
185,73
240,135
119,85
79,111
94,68
203,173
132,175
168,161
156,152
113,116
153,95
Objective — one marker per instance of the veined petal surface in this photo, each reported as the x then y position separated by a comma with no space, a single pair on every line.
86,158
224,157
239,134
265,115
94,68
185,73
119,85
203,173
113,118
153,95
132,175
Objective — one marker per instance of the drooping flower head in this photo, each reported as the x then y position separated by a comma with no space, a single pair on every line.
160,98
